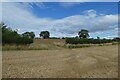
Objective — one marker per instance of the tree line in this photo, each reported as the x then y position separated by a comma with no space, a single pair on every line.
87,41
10,36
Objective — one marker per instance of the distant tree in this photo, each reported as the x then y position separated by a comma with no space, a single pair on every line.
26,34
5,28
98,37
76,36
63,37
45,34
29,34
116,39
10,36
83,33
32,34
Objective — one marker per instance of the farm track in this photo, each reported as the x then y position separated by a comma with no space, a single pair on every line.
92,62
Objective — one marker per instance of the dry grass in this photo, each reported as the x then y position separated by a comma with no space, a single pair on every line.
49,40
39,44
23,47
50,44
91,62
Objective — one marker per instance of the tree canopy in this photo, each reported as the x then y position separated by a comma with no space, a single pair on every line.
29,34
83,33
44,34
10,36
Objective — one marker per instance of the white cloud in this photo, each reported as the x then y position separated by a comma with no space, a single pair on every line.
19,17
41,5
90,13
0,11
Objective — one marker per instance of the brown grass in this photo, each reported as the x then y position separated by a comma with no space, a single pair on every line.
50,44
49,41
39,44
91,62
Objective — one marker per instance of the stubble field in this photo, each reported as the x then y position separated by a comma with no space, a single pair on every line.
91,62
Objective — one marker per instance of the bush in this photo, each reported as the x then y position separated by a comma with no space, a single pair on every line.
87,41
70,46
12,37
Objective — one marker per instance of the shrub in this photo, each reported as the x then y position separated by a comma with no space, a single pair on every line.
77,46
12,37
87,41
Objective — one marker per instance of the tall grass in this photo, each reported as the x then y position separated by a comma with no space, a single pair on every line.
51,46
22,47
71,46
77,46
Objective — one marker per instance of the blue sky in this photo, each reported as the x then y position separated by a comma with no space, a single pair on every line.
63,19
55,9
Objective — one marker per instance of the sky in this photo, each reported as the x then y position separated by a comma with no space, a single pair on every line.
62,19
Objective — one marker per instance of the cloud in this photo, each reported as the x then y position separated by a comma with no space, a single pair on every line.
18,16
0,12
40,5
71,25
90,13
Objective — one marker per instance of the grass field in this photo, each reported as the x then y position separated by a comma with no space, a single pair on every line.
50,44
91,62
38,44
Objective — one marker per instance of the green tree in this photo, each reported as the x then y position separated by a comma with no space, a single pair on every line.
10,36
28,34
32,34
83,33
5,28
45,34
98,37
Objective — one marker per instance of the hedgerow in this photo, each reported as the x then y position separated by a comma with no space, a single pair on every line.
12,37
87,41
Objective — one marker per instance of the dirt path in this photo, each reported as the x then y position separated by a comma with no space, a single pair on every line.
92,62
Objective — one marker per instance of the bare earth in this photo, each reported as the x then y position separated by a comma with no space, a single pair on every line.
92,62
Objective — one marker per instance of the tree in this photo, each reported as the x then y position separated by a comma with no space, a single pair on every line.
44,34
98,37
5,28
83,33
116,39
28,34
76,36
32,34
10,36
